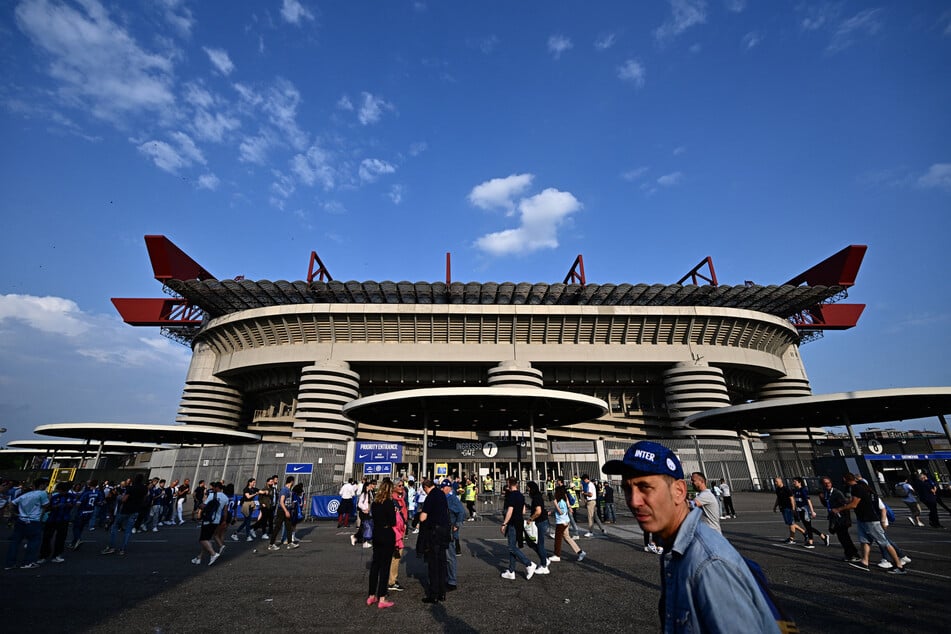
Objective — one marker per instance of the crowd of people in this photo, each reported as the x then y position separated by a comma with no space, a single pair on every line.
684,529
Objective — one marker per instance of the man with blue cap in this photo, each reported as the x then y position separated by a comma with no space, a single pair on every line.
706,584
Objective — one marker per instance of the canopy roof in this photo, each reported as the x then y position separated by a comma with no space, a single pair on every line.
824,410
475,408
137,432
221,297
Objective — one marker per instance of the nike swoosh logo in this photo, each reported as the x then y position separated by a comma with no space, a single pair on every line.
297,468
364,455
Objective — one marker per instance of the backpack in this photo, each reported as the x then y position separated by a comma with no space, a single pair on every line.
783,620
900,490
211,507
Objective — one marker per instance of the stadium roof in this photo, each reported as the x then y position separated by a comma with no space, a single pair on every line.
138,432
221,297
827,410
475,408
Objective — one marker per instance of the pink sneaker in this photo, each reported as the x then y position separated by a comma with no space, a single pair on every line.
371,599
383,604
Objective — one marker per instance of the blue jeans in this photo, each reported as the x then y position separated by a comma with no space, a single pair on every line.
609,514
451,561
32,533
514,552
542,526
124,522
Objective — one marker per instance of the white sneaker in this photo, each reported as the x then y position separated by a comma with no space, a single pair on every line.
57,560
250,538
921,524
416,530
273,547
885,564
554,558
234,537
904,560
196,560
253,535
367,545
913,522
293,545
155,529
264,536
542,570
214,558
582,555
353,540
508,574
588,534
530,570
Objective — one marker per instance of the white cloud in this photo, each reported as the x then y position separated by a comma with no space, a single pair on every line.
208,181
255,149
173,157
938,175
344,103
488,44
752,39
499,193
865,22
179,16
736,6
53,315
96,62
283,186
684,14
372,169
314,166
679,150
294,12
417,148
280,104
396,194
558,44
818,16
213,127
541,216
634,174
604,42
632,71
220,60
372,109
669,180
334,207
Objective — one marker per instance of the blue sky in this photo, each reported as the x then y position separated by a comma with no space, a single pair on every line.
645,136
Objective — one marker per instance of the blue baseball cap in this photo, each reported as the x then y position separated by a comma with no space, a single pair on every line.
646,458
445,483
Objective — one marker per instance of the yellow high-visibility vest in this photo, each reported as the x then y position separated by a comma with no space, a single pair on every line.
470,492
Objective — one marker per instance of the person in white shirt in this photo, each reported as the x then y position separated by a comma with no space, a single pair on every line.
706,501
590,492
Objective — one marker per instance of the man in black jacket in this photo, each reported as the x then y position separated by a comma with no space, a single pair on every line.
839,523
434,524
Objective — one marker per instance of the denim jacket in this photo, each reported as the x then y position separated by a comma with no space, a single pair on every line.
707,587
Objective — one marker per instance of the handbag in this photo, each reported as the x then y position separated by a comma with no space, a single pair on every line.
531,531
839,522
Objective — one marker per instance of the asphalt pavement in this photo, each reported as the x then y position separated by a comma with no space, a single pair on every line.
322,586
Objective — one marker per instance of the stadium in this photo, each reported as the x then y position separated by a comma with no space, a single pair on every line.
326,372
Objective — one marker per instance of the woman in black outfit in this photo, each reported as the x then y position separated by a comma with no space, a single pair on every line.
383,513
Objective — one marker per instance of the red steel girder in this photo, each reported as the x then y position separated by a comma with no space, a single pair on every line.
576,274
157,311
695,273
840,269
321,272
171,263
828,317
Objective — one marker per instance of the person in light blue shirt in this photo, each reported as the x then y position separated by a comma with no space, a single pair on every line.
28,525
457,515
706,584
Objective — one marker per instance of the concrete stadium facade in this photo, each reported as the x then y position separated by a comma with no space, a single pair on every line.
285,372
